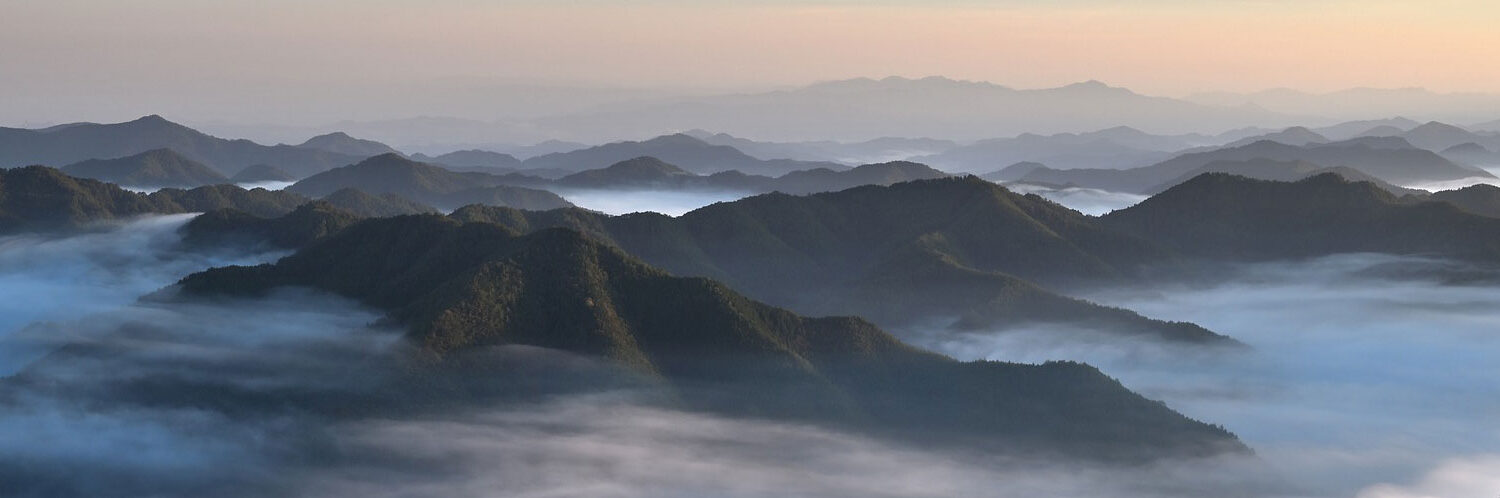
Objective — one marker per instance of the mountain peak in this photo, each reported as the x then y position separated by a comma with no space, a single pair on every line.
341,143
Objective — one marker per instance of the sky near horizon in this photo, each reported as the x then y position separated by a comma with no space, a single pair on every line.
67,56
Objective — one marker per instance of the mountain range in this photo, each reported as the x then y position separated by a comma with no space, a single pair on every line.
958,250
459,287
68,144
654,174
1391,159
425,183
42,199
863,109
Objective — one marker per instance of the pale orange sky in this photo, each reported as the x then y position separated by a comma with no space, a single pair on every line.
283,48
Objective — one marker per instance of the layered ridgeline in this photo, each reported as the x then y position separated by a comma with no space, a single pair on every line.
38,198
473,160
150,169
1221,216
427,184
1281,171
460,287
1389,159
68,144
691,153
653,173
929,251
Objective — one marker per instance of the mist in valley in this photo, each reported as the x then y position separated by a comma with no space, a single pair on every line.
1368,375
46,277
668,202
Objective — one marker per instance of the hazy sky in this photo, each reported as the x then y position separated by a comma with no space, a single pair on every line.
75,59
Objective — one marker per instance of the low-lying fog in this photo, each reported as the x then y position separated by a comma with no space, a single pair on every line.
1370,375
668,202
1459,183
46,277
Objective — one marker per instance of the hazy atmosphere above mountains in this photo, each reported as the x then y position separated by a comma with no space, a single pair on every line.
792,248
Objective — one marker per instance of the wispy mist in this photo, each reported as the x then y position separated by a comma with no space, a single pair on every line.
668,202
1084,200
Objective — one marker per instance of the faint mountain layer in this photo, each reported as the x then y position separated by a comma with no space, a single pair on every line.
685,151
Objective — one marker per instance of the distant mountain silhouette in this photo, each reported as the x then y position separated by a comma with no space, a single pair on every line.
689,153
948,248
473,160
459,287
868,151
1472,153
1113,148
71,144
153,168
1296,135
862,109
1220,216
341,143
1391,159
425,183
1437,136
258,173
1372,127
